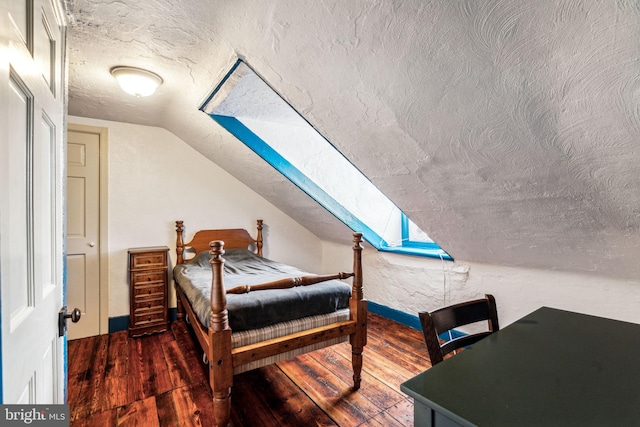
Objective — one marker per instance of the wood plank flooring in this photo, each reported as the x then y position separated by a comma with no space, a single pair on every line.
160,380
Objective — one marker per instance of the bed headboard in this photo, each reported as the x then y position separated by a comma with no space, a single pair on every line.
233,238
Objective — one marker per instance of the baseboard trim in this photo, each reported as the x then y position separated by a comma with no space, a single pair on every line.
407,319
401,317
121,323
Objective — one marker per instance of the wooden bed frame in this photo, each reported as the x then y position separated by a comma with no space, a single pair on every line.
216,340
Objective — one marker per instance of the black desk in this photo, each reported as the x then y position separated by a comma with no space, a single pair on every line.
550,368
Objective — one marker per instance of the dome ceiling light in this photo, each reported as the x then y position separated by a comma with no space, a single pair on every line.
136,81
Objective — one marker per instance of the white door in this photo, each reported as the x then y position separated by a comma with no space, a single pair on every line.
83,230
32,97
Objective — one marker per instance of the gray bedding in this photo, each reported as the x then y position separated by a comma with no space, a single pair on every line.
259,308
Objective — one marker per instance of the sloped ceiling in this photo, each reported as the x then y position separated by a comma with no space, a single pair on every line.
508,130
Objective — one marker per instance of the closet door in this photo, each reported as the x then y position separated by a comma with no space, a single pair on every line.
32,120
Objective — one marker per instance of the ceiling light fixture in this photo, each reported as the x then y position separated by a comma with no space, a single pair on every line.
136,81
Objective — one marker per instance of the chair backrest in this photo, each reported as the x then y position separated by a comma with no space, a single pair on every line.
444,319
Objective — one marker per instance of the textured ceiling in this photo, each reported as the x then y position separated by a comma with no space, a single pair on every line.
508,130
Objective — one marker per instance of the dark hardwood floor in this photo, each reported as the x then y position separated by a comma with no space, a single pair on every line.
160,380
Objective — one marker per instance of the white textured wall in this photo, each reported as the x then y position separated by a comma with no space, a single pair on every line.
156,178
508,130
412,284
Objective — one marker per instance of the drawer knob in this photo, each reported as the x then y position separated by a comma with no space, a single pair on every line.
149,291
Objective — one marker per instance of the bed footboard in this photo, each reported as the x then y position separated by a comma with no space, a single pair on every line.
222,359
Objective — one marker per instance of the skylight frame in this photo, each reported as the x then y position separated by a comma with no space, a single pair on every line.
213,106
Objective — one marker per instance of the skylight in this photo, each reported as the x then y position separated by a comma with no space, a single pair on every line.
255,114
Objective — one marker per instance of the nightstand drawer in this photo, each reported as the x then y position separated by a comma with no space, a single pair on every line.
150,290
148,260
145,277
147,318
141,304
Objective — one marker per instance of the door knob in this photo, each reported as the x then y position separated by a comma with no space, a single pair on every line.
92,244
63,316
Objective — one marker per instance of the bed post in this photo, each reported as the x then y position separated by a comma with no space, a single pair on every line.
179,260
259,239
220,359
179,241
358,308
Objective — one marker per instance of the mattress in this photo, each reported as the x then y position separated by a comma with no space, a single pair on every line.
261,308
242,338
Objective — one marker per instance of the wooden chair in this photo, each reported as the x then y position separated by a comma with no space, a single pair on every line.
447,318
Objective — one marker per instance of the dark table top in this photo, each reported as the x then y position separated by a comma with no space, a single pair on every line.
550,368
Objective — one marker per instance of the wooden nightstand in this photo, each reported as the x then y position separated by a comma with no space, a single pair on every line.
148,279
